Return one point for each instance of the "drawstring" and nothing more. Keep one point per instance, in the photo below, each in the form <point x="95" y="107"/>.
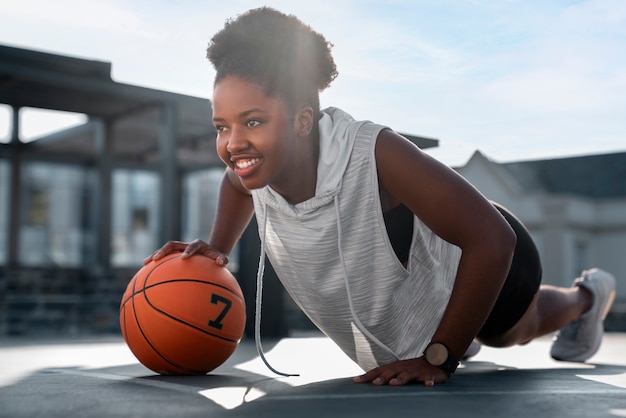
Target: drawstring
<point x="357" y="322"/>
<point x="259" y="300"/>
<point x="259" y="295"/>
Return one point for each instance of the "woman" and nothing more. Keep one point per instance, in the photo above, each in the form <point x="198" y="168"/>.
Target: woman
<point x="390" y="253"/>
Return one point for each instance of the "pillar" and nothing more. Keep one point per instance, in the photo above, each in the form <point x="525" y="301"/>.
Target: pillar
<point x="15" y="191"/>
<point x="170" y="213"/>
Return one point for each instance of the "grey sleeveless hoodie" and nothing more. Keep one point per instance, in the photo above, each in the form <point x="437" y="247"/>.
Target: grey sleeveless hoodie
<point x="334" y="257"/>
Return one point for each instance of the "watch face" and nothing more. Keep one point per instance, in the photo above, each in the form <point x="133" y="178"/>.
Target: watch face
<point x="437" y="354"/>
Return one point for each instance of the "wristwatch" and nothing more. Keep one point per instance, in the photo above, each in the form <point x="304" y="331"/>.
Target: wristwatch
<point x="438" y="355"/>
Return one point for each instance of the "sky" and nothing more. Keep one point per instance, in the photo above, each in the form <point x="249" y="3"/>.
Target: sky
<point x="515" y="79"/>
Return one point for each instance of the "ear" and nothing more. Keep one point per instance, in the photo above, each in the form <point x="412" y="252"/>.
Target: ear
<point x="304" y="121"/>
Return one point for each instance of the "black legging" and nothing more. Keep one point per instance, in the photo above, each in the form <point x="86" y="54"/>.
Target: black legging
<point x="521" y="283"/>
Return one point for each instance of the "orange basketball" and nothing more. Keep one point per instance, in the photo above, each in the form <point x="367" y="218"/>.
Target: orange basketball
<point x="182" y="316"/>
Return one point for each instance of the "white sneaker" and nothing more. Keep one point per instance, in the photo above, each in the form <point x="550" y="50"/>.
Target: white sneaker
<point x="581" y="339"/>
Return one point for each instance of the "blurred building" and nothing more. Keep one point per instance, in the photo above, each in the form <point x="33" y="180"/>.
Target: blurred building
<point x="575" y="209"/>
<point x="81" y="207"/>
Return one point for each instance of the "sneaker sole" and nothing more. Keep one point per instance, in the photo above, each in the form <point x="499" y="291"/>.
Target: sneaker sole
<point x="609" y="303"/>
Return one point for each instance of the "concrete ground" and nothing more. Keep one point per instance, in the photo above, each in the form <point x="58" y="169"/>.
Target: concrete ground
<point x="99" y="377"/>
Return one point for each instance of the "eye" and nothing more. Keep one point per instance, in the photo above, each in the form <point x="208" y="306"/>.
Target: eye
<point x="220" y="128"/>
<point x="252" y="123"/>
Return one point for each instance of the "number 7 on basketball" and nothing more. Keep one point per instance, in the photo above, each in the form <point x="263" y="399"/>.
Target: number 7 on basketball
<point x="215" y="300"/>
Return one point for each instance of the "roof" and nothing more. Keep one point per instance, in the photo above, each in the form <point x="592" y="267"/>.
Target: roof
<point x="595" y="176"/>
<point x="134" y="114"/>
<point x="48" y="81"/>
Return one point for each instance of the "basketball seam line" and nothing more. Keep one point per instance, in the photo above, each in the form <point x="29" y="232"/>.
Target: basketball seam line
<point x="136" y="292"/>
<point x="187" y="323"/>
<point x="145" y="337"/>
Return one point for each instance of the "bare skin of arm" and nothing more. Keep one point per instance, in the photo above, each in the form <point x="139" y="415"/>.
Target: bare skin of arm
<point x="458" y="213"/>
<point x="234" y="212"/>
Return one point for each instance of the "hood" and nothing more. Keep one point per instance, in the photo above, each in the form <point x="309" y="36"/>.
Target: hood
<point x="337" y="133"/>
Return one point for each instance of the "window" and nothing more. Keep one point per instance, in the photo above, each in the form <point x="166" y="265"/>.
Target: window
<point x="4" y="209"/>
<point x="53" y="227"/>
<point x="580" y="257"/>
<point x="135" y="216"/>
<point x="200" y="192"/>
<point x="5" y="123"/>
<point x="37" y="204"/>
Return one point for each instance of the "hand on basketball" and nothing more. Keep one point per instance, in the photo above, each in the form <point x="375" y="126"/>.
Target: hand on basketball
<point x="402" y="372"/>
<point x="188" y="249"/>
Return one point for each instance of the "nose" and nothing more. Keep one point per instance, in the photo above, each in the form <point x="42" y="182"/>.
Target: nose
<point x="236" y="141"/>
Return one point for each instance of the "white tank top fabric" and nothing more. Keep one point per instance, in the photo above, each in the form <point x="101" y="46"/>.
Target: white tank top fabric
<point x="333" y="255"/>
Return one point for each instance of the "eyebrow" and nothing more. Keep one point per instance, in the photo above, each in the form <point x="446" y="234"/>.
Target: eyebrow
<point x="245" y="113"/>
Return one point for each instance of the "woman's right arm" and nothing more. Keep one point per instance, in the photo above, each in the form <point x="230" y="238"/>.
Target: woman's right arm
<point x="233" y="214"/>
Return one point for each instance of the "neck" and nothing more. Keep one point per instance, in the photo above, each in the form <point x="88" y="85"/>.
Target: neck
<point x="301" y="187"/>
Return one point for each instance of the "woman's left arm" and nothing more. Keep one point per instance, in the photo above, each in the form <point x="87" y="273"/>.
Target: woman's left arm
<point x="461" y="215"/>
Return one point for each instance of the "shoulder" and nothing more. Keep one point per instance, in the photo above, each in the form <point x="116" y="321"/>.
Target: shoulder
<point x="396" y="155"/>
<point x="397" y="159"/>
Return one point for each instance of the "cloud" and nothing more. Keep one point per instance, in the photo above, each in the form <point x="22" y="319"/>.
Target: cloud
<point x="73" y="14"/>
<point x="572" y="64"/>
<point x="500" y="76"/>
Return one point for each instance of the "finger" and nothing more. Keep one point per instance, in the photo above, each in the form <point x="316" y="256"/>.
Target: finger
<point x="194" y="247"/>
<point x="200" y="247"/>
<point x="361" y="379"/>
<point x="161" y="252"/>
<point x="379" y="381"/>
<point x="433" y="379"/>
<point x="401" y="379"/>
<point x="221" y="260"/>
<point x="376" y="377"/>
<point x="367" y="377"/>
<point x="168" y="248"/>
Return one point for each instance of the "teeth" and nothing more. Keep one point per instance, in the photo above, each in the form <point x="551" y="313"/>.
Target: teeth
<point x="246" y="163"/>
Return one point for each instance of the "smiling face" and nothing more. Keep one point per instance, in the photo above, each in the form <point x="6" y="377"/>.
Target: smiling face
<point x="257" y="137"/>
